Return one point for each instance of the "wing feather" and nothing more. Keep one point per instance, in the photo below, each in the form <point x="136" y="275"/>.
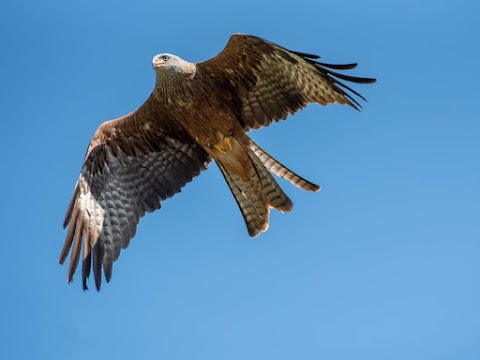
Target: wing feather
<point x="132" y="164"/>
<point x="273" y="82"/>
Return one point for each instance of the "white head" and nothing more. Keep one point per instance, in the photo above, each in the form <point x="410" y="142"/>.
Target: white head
<point x="165" y="64"/>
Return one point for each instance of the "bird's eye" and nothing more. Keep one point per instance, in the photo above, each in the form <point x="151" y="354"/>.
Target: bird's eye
<point x="164" y="57"/>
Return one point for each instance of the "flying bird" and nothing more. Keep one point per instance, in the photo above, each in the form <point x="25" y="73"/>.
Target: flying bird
<point x="197" y="112"/>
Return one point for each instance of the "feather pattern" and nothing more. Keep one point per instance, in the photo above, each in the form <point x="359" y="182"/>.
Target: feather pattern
<point x="197" y="112"/>
<point x="281" y="170"/>
<point x="123" y="177"/>
<point x="273" y="82"/>
<point x="256" y="194"/>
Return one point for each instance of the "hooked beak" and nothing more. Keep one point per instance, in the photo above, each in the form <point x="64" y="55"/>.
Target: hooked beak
<point x="156" y="63"/>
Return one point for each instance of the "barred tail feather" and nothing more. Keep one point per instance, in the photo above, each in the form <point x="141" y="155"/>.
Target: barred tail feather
<point x="253" y="208"/>
<point x="256" y="194"/>
<point x="280" y="170"/>
<point x="272" y="193"/>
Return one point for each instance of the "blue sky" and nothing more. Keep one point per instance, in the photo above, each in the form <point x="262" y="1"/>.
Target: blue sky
<point x="383" y="263"/>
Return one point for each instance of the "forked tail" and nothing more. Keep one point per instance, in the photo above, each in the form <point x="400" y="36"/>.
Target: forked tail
<point x="258" y="192"/>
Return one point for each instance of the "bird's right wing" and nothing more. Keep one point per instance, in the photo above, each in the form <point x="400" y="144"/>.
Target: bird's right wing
<point x="131" y="165"/>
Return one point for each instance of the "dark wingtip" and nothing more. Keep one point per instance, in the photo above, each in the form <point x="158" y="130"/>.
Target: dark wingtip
<point x="98" y="282"/>
<point x="306" y="55"/>
<point x="84" y="284"/>
<point x="338" y="66"/>
<point x="354" y="79"/>
<point x="71" y="207"/>
<point x="333" y="76"/>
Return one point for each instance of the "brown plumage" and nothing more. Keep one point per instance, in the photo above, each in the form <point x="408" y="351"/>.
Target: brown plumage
<point x="197" y="112"/>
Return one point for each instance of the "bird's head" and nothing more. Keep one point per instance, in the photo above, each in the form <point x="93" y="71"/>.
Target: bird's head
<point x="165" y="64"/>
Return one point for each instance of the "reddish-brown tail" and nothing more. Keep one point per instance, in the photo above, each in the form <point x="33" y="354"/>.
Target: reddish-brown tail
<point x="259" y="192"/>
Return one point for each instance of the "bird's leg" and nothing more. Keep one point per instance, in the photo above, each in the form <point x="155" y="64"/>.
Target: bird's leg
<point x="228" y="139"/>
<point x="226" y="143"/>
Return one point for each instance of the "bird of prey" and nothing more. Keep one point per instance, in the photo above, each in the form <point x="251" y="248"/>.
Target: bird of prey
<point x="197" y="112"/>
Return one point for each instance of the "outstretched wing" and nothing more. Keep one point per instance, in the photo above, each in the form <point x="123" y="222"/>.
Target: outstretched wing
<point x="265" y="82"/>
<point x="131" y="165"/>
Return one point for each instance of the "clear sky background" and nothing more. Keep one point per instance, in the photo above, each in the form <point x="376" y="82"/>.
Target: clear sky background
<point x="383" y="263"/>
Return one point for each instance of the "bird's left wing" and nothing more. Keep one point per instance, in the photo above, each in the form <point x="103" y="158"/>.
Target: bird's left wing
<point x="265" y="82"/>
<point x="131" y="165"/>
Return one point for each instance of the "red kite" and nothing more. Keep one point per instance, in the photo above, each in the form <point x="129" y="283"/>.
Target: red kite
<point x="197" y="112"/>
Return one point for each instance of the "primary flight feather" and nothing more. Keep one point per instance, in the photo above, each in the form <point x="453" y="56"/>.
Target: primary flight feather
<point x="196" y="113"/>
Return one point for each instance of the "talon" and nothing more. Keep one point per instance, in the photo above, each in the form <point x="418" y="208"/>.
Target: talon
<point x="228" y="141"/>
<point x="221" y="149"/>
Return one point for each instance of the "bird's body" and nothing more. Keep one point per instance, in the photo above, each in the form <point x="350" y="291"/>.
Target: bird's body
<point x="196" y="112"/>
